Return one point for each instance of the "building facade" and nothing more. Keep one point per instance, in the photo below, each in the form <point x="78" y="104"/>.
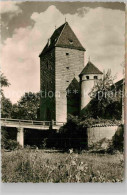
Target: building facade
<point x="64" y="81"/>
<point x="61" y="60"/>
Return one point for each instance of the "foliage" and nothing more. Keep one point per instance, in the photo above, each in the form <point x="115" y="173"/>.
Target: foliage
<point x="27" y="107"/>
<point x="4" y="137"/>
<point x="72" y="135"/>
<point x="88" y="122"/>
<point x="105" y="103"/>
<point x="103" y="86"/>
<point x="6" y="143"/>
<point x="6" y="104"/>
<point x="6" y="107"/>
<point x="118" y="138"/>
<point x="12" y="145"/>
<point x="3" y="82"/>
<point x="29" y="165"/>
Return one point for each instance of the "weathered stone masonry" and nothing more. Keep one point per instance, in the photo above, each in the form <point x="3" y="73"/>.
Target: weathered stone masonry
<point x="47" y="78"/>
<point x="69" y="63"/>
<point x="61" y="60"/>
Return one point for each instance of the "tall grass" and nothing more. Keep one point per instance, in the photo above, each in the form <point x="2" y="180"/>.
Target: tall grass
<point x="38" y="166"/>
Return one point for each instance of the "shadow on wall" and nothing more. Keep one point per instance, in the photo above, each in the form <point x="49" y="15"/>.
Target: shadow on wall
<point x="73" y="98"/>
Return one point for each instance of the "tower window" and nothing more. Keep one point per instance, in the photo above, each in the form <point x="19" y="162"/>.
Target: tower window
<point x="87" y="77"/>
<point x="70" y="41"/>
<point x="67" y="54"/>
<point x="95" y="77"/>
<point x="67" y="67"/>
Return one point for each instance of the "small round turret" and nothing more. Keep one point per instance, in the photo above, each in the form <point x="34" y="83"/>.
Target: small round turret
<point x="88" y="77"/>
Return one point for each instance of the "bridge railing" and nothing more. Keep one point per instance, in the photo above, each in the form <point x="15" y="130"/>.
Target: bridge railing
<point x="31" y="122"/>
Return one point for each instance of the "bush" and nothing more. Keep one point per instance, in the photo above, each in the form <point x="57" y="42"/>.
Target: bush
<point x="118" y="138"/>
<point x="4" y="136"/>
<point x="12" y="145"/>
<point x="73" y="135"/>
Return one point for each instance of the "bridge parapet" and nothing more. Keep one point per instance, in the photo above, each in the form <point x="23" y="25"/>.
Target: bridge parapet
<point x="30" y="123"/>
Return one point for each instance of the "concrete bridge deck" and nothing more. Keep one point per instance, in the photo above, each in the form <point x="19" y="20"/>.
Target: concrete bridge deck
<point x="29" y="124"/>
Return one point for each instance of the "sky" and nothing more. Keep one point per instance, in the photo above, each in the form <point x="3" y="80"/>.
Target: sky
<point x="26" y="27"/>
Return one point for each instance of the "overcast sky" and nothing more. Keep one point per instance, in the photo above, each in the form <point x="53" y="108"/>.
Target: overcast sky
<point x="26" y="27"/>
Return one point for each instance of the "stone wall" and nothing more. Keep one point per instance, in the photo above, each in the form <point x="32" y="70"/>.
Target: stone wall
<point x="47" y="85"/>
<point x="58" y="67"/>
<point x="69" y="64"/>
<point x="96" y="134"/>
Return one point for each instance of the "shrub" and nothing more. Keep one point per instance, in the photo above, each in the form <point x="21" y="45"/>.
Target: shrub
<point x="4" y="136"/>
<point x="118" y="138"/>
<point x="12" y="145"/>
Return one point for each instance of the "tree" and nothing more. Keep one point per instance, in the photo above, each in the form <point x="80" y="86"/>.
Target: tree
<point x="6" y="107"/>
<point x="105" y="103"/>
<point x="6" y="104"/>
<point x="27" y="107"/>
<point x="3" y="82"/>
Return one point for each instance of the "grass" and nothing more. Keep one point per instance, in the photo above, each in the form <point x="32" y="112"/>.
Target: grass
<point x="38" y="166"/>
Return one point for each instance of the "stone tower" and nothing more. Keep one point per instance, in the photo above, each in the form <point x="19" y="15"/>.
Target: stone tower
<point x="61" y="60"/>
<point x="88" y="77"/>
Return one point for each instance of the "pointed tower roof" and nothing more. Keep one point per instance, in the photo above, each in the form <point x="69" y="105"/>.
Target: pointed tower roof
<point x="63" y="37"/>
<point x="74" y="85"/>
<point x="90" y="69"/>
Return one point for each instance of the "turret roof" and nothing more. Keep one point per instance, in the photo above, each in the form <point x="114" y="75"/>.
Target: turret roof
<point x="90" y="69"/>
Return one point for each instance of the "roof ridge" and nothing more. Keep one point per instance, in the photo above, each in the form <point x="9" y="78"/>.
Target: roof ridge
<point x="61" y="32"/>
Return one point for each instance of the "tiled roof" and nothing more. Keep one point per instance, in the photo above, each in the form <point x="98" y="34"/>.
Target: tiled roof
<point x="105" y="125"/>
<point x="90" y="69"/>
<point x="63" y="37"/>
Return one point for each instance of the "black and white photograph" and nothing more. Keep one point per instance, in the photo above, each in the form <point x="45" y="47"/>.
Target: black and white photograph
<point x="62" y="92"/>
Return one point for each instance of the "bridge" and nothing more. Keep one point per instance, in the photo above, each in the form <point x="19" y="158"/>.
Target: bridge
<point x="29" y="124"/>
